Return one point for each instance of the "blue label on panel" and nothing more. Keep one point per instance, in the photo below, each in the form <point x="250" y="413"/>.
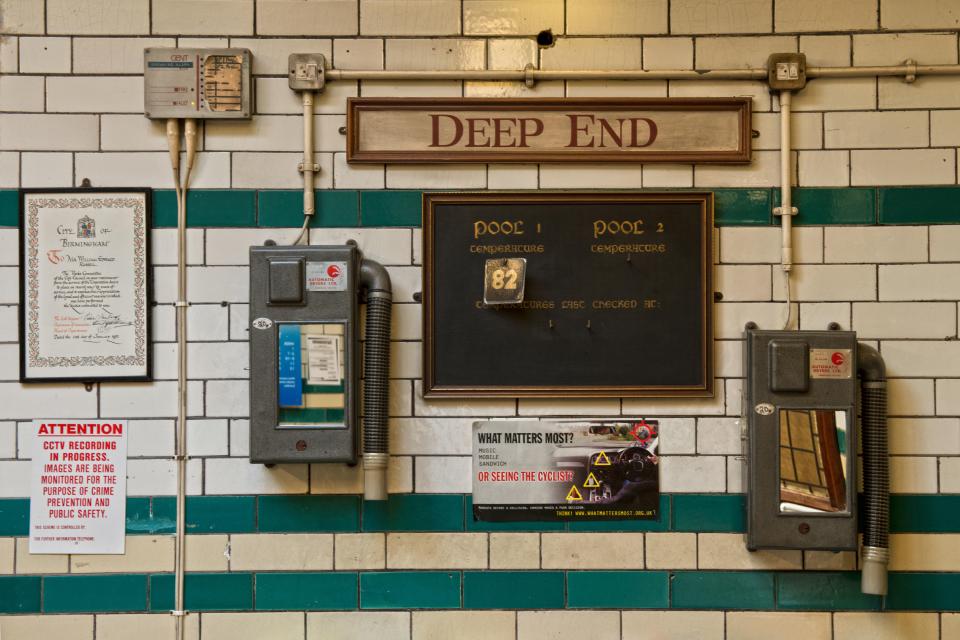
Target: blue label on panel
<point x="290" y="376"/>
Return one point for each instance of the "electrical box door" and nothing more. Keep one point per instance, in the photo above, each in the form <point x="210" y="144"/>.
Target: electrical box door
<point x="799" y="406"/>
<point x="303" y="354"/>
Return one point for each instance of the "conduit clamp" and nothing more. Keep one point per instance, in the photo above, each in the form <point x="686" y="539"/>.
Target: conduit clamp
<point x="911" y="75"/>
<point x="528" y="78"/>
<point x="778" y="211"/>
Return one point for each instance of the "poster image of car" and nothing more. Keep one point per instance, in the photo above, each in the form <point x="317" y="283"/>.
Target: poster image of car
<point x="566" y="470"/>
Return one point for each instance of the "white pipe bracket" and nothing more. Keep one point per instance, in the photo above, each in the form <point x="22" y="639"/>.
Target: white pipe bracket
<point x="315" y="169"/>
<point x="180" y="613"/>
<point x="528" y="78"/>
<point x="778" y="211"/>
<point x="911" y="75"/>
<point x="181" y="303"/>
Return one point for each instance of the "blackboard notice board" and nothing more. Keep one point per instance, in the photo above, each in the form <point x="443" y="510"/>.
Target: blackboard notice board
<point x="617" y="299"/>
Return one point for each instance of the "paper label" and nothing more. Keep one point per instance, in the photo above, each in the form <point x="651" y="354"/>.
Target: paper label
<point x="323" y="359"/>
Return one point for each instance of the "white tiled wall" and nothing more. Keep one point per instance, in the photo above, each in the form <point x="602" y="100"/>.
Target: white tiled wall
<point x="70" y="103"/>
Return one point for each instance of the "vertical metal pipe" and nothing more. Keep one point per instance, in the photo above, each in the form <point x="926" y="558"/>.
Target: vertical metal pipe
<point x="308" y="162"/>
<point x="786" y="199"/>
<point x="190" y="135"/>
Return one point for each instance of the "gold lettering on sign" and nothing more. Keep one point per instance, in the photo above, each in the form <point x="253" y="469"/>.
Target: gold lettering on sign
<point x="497" y="227"/>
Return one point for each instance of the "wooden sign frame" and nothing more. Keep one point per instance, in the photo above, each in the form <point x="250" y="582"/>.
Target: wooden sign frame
<point x="689" y="117"/>
<point x="434" y="386"/>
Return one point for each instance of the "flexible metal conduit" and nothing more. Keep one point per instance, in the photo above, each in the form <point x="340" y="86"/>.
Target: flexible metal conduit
<point x="908" y="71"/>
<point x="376" y="371"/>
<point x="876" y="479"/>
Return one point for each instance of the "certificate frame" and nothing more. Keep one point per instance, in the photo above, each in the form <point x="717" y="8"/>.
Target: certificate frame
<point x="130" y="281"/>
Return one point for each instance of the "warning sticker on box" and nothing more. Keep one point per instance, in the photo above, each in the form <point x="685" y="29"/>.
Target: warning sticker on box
<point x="326" y="276"/>
<point x="831" y="363"/>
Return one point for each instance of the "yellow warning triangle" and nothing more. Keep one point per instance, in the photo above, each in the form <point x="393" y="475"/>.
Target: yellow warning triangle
<point x="602" y="460"/>
<point x="591" y="482"/>
<point x="574" y="494"/>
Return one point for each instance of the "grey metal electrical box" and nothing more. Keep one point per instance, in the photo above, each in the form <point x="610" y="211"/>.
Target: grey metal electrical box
<point x="800" y="439"/>
<point x="303" y="356"/>
<point x="197" y="83"/>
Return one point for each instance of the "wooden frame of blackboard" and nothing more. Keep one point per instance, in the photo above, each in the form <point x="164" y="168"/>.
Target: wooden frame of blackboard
<point x="435" y="388"/>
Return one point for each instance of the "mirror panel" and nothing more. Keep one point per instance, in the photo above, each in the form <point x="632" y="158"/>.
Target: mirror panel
<point x="813" y="461"/>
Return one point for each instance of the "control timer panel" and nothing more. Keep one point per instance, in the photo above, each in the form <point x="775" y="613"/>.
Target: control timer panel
<point x="196" y="83"/>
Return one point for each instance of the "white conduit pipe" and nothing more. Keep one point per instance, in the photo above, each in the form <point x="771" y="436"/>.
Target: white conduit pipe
<point x="786" y="199"/>
<point x="906" y="70"/>
<point x="308" y="168"/>
<point x="173" y="138"/>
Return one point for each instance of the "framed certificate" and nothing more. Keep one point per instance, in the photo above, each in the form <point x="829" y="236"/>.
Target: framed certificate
<point x="85" y="285"/>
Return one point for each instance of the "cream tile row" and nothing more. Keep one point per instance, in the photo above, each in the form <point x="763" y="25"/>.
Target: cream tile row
<point x="265" y="157"/>
<point x="449" y="551"/>
<point x="495" y="625"/>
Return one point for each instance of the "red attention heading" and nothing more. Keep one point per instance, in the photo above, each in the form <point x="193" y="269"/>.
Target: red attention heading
<point x="80" y="429"/>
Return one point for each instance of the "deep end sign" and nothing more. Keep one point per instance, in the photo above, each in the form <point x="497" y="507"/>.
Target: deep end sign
<point x="715" y="130"/>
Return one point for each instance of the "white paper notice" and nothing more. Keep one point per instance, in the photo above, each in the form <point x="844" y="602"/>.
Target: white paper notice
<point x="323" y="359"/>
<point x="78" y="487"/>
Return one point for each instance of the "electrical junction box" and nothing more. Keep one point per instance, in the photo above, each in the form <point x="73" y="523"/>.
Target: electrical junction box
<point x="197" y="83"/>
<point x="303" y="356"/>
<point x="800" y="439"/>
<point x="787" y="71"/>
<point x="306" y="71"/>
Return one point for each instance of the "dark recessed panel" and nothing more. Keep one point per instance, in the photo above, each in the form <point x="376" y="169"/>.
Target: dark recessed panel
<point x="617" y="298"/>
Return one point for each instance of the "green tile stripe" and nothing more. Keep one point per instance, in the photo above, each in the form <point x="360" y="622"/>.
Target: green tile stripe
<point x="839" y="591"/>
<point x="513" y="590"/>
<point x="692" y="512"/>
<point x="308" y="513"/>
<point x="348" y="590"/>
<point x="20" y="594"/>
<point x="329" y="591"/>
<point x="397" y="208"/>
<point x="699" y="512"/>
<point x="410" y="590"/>
<point x="81" y="593"/>
<point x="722" y="590"/>
<point x="204" y="592"/>
<point x="207" y="208"/>
<point x="919" y="205"/>
<point x="618" y="589"/>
